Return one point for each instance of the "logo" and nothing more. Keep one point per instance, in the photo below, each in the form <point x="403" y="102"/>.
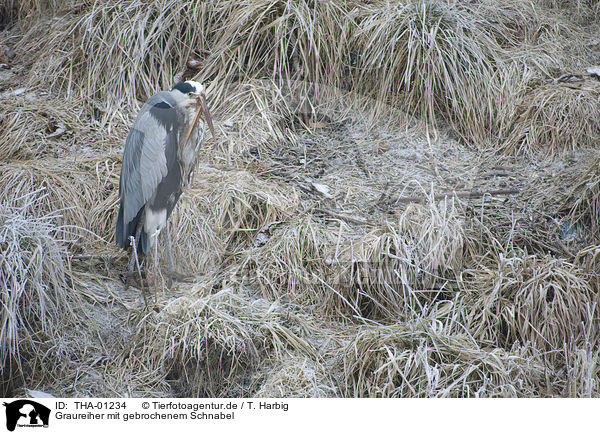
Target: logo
<point x="26" y="413"/>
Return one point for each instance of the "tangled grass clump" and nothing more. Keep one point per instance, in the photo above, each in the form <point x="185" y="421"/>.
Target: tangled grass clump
<point x="556" y="117"/>
<point x="83" y="195"/>
<point x="528" y="299"/>
<point x="241" y="204"/>
<point x="407" y="263"/>
<point x="35" y="292"/>
<point x="291" y="262"/>
<point x="403" y="361"/>
<point x="583" y="201"/>
<point x="211" y="341"/>
<point x="24" y="11"/>
<point x="441" y="59"/>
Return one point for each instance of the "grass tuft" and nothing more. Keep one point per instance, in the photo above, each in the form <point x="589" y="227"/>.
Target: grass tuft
<point x="583" y="200"/>
<point x="407" y="263"/>
<point x="441" y="59"/>
<point x="556" y="117"/>
<point x="529" y="299"/>
<point x="404" y="361"/>
<point x="212" y="341"/>
<point x="34" y="285"/>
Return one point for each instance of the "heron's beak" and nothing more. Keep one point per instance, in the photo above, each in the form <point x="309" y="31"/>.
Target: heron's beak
<point x="206" y="112"/>
<point x="201" y="108"/>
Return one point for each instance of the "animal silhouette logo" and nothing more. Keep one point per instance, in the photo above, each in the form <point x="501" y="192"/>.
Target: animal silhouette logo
<point x="24" y="412"/>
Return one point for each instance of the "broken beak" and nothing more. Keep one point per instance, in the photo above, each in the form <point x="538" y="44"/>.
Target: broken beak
<point x="203" y="106"/>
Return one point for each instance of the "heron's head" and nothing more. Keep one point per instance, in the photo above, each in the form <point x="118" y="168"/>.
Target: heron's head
<point x="197" y="94"/>
<point x="190" y="88"/>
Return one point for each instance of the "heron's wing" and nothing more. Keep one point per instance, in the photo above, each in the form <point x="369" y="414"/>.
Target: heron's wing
<point x="151" y="142"/>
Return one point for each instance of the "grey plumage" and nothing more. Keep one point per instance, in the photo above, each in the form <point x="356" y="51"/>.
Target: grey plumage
<point x="157" y="163"/>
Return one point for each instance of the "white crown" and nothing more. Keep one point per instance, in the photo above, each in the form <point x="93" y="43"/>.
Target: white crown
<point x="198" y="86"/>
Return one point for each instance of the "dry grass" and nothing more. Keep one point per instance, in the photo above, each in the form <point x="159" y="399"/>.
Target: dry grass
<point x="242" y="204"/>
<point x="446" y="62"/>
<point x="581" y="11"/>
<point x="34" y="285"/>
<point x="250" y="114"/>
<point x="531" y="221"/>
<point x="140" y="60"/>
<point x="582" y="374"/>
<point x="442" y="59"/>
<point x="583" y="201"/>
<point x="404" y="361"/>
<point x="53" y="145"/>
<point x="197" y="247"/>
<point x="26" y="127"/>
<point x="513" y="22"/>
<point x="526" y="299"/>
<point x="589" y="260"/>
<point x="297" y="377"/>
<point x="291" y="261"/>
<point x="35" y="126"/>
<point x="556" y="117"/>
<point x="257" y="39"/>
<point x="407" y="263"/>
<point x="260" y="115"/>
<point x="281" y="40"/>
<point x="211" y="342"/>
<point x="40" y="125"/>
<point x="82" y="193"/>
<point x="391" y="270"/>
<point x="25" y="10"/>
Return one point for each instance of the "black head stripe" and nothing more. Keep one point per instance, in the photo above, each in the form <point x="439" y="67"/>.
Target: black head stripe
<point x="162" y="105"/>
<point x="184" y="87"/>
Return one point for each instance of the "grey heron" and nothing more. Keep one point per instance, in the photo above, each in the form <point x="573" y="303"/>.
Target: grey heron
<point x="159" y="157"/>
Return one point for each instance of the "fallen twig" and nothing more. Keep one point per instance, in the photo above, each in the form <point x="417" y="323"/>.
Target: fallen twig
<point x="343" y="216"/>
<point x="473" y="194"/>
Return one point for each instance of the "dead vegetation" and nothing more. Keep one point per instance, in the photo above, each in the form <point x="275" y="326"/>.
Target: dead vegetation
<point x="35" y="287"/>
<point x="212" y="343"/>
<point x="527" y="299"/>
<point x="25" y="10"/>
<point x="406" y="265"/>
<point x="438" y="58"/>
<point x="411" y="360"/>
<point x="400" y="201"/>
<point x="583" y="202"/>
<point x="557" y="116"/>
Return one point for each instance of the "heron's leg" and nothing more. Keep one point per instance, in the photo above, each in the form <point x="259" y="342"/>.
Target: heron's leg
<point x="135" y="261"/>
<point x="132" y="261"/>
<point x="134" y="256"/>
